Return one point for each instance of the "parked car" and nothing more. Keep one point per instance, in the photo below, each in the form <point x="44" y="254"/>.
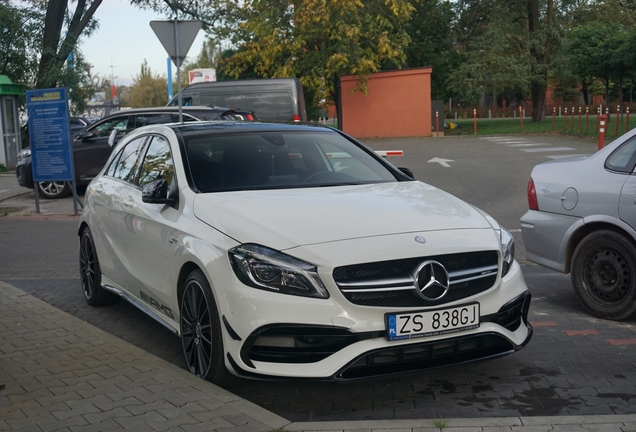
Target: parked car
<point x="582" y="221"/>
<point x="273" y="99"/>
<point x="294" y="251"/>
<point x="91" y="148"/>
<point x="79" y="123"/>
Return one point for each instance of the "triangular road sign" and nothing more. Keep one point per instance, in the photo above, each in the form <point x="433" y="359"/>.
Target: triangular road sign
<point x="186" y="32"/>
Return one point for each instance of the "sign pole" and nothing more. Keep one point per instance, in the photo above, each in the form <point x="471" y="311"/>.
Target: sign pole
<point x="178" y="62"/>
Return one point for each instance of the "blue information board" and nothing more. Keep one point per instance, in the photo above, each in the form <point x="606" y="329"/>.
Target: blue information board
<point x="49" y="134"/>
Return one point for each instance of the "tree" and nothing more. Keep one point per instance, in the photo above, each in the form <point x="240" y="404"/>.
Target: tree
<point x="496" y="61"/>
<point x="541" y="39"/>
<point x="430" y="32"/>
<point x="55" y="50"/>
<point x="20" y="31"/>
<point x="594" y="51"/>
<point x="318" y="41"/>
<point x="148" y="90"/>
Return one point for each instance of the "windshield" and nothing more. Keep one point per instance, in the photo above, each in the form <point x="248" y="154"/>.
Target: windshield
<point x="275" y="160"/>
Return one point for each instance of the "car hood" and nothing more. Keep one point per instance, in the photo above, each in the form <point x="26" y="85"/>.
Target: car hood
<point x="288" y="218"/>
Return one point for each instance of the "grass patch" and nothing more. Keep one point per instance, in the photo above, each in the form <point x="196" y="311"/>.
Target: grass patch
<point x="441" y="424"/>
<point x="558" y="125"/>
<point x="3" y="169"/>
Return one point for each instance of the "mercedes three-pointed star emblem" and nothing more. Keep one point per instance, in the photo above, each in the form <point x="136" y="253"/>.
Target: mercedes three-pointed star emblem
<point x="431" y="281"/>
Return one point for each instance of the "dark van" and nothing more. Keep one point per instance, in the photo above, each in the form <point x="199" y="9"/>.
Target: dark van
<point x="275" y="99"/>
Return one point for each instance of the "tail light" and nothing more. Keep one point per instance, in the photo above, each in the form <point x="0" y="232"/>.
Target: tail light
<point x="250" y="117"/>
<point x="296" y="117"/>
<point x="533" y="204"/>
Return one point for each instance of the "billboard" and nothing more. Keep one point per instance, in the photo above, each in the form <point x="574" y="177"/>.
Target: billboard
<point x="201" y="75"/>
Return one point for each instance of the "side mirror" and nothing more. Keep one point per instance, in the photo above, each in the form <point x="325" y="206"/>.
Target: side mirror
<point x="156" y="192"/>
<point x="112" y="137"/>
<point x="407" y="172"/>
<point x="85" y="135"/>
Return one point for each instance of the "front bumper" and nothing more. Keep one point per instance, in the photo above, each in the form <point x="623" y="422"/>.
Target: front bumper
<point x="350" y="342"/>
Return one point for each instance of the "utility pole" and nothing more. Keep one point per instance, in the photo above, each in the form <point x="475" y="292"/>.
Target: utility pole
<point x="113" y="89"/>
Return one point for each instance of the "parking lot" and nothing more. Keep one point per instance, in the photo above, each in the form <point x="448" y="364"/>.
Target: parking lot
<point x="574" y="365"/>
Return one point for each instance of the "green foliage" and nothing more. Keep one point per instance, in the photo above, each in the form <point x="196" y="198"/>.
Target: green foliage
<point x="3" y="169"/>
<point x="148" y="90"/>
<point x="430" y="30"/>
<point x="496" y="59"/>
<point x="441" y="424"/>
<point x="319" y="40"/>
<point x="20" y="32"/>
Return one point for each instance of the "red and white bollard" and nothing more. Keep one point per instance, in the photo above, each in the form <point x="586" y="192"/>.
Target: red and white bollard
<point x="618" y="112"/>
<point x="601" y="130"/>
<point x="437" y="122"/>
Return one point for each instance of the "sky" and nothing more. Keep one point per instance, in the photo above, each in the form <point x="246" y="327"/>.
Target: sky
<point x="124" y="39"/>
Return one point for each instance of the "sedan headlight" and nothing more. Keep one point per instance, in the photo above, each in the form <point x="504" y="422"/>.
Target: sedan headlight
<point x="267" y="269"/>
<point x="506" y="242"/>
<point x="24" y="153"/>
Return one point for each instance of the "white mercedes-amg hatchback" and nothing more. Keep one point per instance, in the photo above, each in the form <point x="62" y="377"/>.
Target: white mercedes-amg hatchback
<point x="294" y="251"/>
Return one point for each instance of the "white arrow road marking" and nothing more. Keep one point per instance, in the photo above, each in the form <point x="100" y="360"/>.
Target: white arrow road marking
<point x="442" y="162"/>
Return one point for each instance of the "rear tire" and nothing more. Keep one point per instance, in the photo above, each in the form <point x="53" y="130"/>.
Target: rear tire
<point x="54" y="190"/>
<point x="604" y="275"/>
<point x="201" y="332"/>
<point x="90" y="273"/>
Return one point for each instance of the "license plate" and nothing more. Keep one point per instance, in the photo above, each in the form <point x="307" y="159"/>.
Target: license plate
<point x="432" y="323"/>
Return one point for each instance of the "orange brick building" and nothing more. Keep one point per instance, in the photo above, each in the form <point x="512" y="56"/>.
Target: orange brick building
<point x="397" y="104"/>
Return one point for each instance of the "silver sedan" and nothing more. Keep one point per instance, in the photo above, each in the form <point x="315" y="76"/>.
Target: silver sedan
<point x="582" y="221"/>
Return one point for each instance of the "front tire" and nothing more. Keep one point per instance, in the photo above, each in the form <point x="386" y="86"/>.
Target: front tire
<point x="201" y="332"/>
<point x="604" y="275"/>
<point x="90" y="273"/>
<point x="54" y="190"/>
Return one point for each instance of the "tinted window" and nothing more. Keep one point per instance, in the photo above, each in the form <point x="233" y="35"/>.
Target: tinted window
<point x="126" y="168"/>
<point x="150" y="119"/>
<point x="273" y="160"/>
<point x="104" y="128"/>
<point x="266" y="105"/>
<point x="157" y="164"/>
<point x="624" y="158"/>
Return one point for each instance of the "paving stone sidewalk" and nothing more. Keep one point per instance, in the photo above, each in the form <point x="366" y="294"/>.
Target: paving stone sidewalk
<point x="59" y="373"/>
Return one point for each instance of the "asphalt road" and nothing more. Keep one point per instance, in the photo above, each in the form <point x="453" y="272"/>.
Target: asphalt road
<point x="574" y="365"/>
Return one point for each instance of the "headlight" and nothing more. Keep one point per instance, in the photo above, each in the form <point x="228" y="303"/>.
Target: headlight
<point x="267" y="269"/>
<point x="506" y="242"/>
<point x="24" y="153"/>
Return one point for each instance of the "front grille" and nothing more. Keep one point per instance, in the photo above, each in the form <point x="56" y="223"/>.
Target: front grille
<point x="392" y="283"/>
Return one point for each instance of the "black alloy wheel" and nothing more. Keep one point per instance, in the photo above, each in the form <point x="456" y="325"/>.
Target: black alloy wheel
<point x="90" y="273"/>
<point x="201" y="332"/>
<point x="604" y="275"/>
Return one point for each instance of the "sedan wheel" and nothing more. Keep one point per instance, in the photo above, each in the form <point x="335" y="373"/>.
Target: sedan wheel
<point x="54" y="190"/>
<point x="201" y="332"/>
<point x="604" y="275"/>
<point x="90" y="273"/>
